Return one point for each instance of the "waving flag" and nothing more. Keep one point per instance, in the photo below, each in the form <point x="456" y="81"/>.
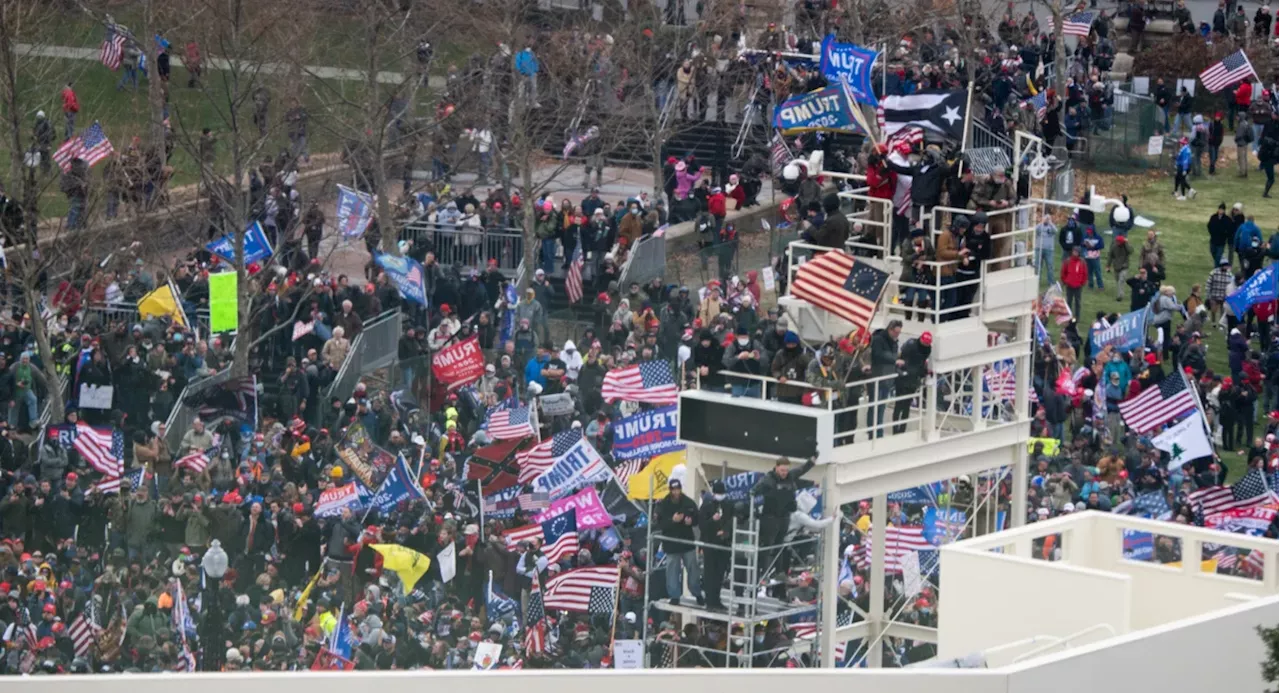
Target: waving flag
<point x="1040" y="102"/>
<point x="112" y="52"/>
<point x="942" y="112"/>
<point x="1228" y="71"/>
<point x="1157" y="405"/>
<point x="91" y="145"/>
<point x="510" y="424"/>
<point x="197" y="461"/>
<point x="650" y="381"/>
<point x="355" y="211"/>
<point x="558" y="534"/>
<point x="257" y="247"/>
<point x="543" y="456"/>
<point x="1250" y="491"/>
<point x="573" y="279"/>
<point x="498" y="604"/>
<point x="334" y="500"/>
<point x="1079" y="24"/>
<point x="588" y="590"/>
<point x="102" y="449"/>
<point x="842" y="284"/>
<point x="111" y="484"/>
<point x="83" y="631"/>
<point x="898" y="543"/>
<point x="399" y="485"/>
<point x="342" y="643"/>
<point x="850" y="63"/>
<point x="1262" y="287"/>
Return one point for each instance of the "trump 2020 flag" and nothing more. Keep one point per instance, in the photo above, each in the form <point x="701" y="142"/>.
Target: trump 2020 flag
<point x="256" y="245"/>
<point x="1184" y="441"/>
<point x="400" y="485"/>
<point x="355" y="209"/>
<point x="829" y="109"/>
<point x="1259" y="288"/>
<point x="849" y="63"/>
<point x="406" y="274"/>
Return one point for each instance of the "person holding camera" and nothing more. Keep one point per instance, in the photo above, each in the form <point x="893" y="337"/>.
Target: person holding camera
<point x="531" y="566"/>
<point x="676" y="515"/>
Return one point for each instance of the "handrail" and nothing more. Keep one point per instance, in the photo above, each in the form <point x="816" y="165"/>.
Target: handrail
<point x="356" y="351"/>
<point x="668" y="106"/>
<point x="744" y="130"/>
<point x="1065" y="640"/>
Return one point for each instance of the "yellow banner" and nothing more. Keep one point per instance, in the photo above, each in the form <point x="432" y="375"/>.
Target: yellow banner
<point x="161" y="302"/>
<point x="405" y="562"/>
<point x="656" y="475"/>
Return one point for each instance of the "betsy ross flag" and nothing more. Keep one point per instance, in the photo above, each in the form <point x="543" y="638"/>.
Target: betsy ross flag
<point x="101" y="448"/>
<point x="1228" y="71"/>
<point x="1156" y="406"/>
<point x="1079" y="24"/>
<point x="573" y="278"/>
<point x="91" y="145"/>
<point x="112" y="52"/>
<point x="846" y="286"/>
<point x="538" y="459"/>
<point x="1250" y="491"/>
<point x="559" y="536"/>
<point x="650" y="381"/>
<point x="510" y="424"/>
<point x="588" y="590"/>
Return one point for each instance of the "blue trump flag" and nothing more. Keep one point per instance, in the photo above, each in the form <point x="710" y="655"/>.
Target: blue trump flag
<point x="256" y="245"/>
<point x="406" y="274"/>
<point x="343" y="640"/>
<point x="846" y="62"/>
<point x="1126" y="334"/>
<point x="647" y="434"/>
<point x="398" y="486"/>
<point x="1259" y="288"/>
<point x="355" y="210"/>
<point x="824" y="109"/>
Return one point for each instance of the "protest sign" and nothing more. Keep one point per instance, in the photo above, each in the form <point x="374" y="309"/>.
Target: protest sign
<point x="459" y="364"/>
<point x="586" y="503"/>
<point x="1125" y="335"/>
<point x="647" y="434"/>
<point x="224" y="305"/>
<point x="628" y="654"/>
<point x="581" y="464"/>
<point x="557" y="405"/>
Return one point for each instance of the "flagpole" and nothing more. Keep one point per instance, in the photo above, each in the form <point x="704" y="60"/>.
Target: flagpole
<point x="480" y="497"/>
<point x="1204" y="418"/>
<point x="613" y="624"/>
<point x="968" y="123"/>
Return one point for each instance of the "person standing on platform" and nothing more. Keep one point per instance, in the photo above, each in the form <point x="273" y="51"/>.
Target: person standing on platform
<point x="676" y="516"/>
<point x="777" y="490"/>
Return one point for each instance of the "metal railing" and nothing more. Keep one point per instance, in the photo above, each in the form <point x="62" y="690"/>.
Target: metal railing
<point x="183" y="415"/>
<point x="647" y="259"/>
<point x="467" y="247"/>
<point x="748" y="120"/>
<point x="668" y="107"/>
<point x="982" y="136"/>
<point x="375" y="347"/>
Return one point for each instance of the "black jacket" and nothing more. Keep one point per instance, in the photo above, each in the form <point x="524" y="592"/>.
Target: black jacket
<point x="1221" y="229"/>
<point x="779" y="494"/>
<point x="712" y="526"/>
<point x="926" y="181"/>
<point x="673" y="529"/>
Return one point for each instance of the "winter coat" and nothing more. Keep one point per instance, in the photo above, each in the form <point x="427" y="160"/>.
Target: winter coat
<point x="1074" y="273"/>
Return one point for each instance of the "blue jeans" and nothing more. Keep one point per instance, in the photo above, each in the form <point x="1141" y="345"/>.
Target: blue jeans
<point x="1094" y="266"/>
<point x="130" y="77"/>
<point x="740" y="390"/>
<point x="548" y="255"/>
<point x="1044" y="262"/>
<point x="1179" y="120"/>
<point x="27" y="399"/>
<point x="407" y="372"/>
<point x="690" y="561"/>
<point x="884" y="391"/>
<point x="948" y="298"/>
<point x="75" y="212"/>
<point x="1216" y="250"/>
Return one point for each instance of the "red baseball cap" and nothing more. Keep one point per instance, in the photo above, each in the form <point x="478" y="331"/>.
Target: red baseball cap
<point x="926" y="338"/>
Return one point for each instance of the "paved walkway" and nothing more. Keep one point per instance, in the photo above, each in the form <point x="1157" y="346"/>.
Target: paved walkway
<point x="323" y="72"/>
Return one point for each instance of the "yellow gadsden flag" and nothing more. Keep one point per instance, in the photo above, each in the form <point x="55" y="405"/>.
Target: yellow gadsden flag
<point x="405" y="562"/>
<point x="162" y="302"/>
<point x="301" y="608"/>
<point x="657" y="473"/>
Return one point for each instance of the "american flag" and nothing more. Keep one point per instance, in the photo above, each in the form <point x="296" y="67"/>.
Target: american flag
<point x="533" y="501"/>
<point x="1228" y="71"/>
<point x="1001" y="381"/>
<point x="779" y="153"/>
<point x="1226" y="558"/>
<point x="197" y="461"/>
<point x="1040" y="102"/>
<point x="83" y="632"/>
<point x="809" y="631"/>
<point x="650" y="381"/>
<point x="112" y="52"/>
<point x="111" y="484"/>
<point x="510" y="424"/>
<point x="1250" y="491"/>
<point x="1253" y="562"/>
<point x="910" y="136"/>
<point x="591" y="590"/>
<point x="837" y="282"/>
<point x="627" y="469"/>
<point x="535" y="639"/>
<point x="102" y="449"/>
<point x="558" y="534"/>
<point x="898" y="543"/>
<point x="1152" y="505"/>
<point x="22" y="632"/>
<point x="91" y="145"/>
<point x="1158" y="405"/>
<point x="541" y="457"/>
<point x="573" y="279"/>
<point x="1079" y="24"/>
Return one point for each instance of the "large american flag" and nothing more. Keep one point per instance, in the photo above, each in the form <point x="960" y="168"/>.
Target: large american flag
<point x="102" y="449"/>
<point x="535" y="639"/>
<point x="650" y="381"/>
<point x="843" y="285"/>
<point x="541" y="457"/>
<point x="559" y="535"/>
<point x="1250" y="491"/>
<point x="1001" y="381"/>
<point x="629" y="468"/>
<point x="1228" y="71"/>
<point x="899" y="541"/>
<point x="1157" y="405"/>
<point x="591" y="590"/>
<point x="510" y="424"/>
<point x="1079" y="24"/>
<point x="83" y="632"/>
<point x="197" y="461"/>
<point x="112" y="52"/>
<point x="91" y="145"/>
<point x="573" y="279"/>
<point x="909" y="136"/>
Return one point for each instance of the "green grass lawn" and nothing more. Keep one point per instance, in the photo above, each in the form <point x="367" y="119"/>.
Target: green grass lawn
<point x="1181" y="226"/>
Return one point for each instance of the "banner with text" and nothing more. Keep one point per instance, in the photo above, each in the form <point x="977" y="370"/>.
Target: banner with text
<point x="591" y="513"/>
<point x="1127" y="334"/>
<point x="459" y="364"/>
<point x="849" y="63"/>
<point x="647" y="434"/>
<point x="828" y="109"/>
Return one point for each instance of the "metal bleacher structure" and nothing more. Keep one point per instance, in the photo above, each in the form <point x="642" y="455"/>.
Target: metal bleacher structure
<point x="955" y="425"/>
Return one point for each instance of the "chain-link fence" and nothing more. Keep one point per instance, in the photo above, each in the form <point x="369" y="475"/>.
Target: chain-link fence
<point x="1122" y="141"/>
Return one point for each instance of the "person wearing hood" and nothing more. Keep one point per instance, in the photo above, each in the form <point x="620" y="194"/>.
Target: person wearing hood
<point x="1070" y="236"/>
<point x="712" y="305"/>
<point x="708" y="358"/>
<point x="790" y="364"/>
<point x="1162" y="309"/>
<point x="1046" y="236"/>
<point x="735" y="191"/>
<point x="572" y="360"/>
<point x="743" y="355"/>
<point x="1249" y="246"/>
<point x="630" y="227"/>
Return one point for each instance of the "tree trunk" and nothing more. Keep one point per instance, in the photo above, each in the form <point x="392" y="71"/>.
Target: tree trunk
<point x="10" y="87"/>
<point x="532" y="249"/>
<point x="1059" y="56"/>
<point x="57" y="408"/>
<point x="155" y="89"/>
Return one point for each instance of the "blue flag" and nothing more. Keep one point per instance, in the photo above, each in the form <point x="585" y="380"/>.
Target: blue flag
<point x="497" y="603"/>
<point x="398" y="486"/>
<point x="256" y="245"/>
<point x="1259" y="288"/>
<point x="343" y="640"/>
<point x="846" y="62"/>
<point x="647" y="434"/>
<point x="355" y="210"/>
<point x="824" y="109"/>
<point x="406" y="274"/>
<point x="1138" y="546"/>
<point x="1126" y="334"/>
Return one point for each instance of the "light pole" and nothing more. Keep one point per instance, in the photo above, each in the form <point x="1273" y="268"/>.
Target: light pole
<point x="214" y="564"/>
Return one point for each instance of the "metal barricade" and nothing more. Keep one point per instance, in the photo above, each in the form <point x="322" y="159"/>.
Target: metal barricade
<point x="183" y="415"/>
<point x="648" y="259"/>
<point x="876" y="216"/>
<point x="107" y="313"/>
<point x="375" y="347"/>
<point x="466" y="247"/>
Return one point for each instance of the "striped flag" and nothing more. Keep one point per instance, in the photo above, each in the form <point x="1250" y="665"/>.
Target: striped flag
<point x="102" y="449"/>
<point x="779" y="153"/>
<point x="1040" y="102"/>
<point x="809" y="631"/>
<point x="541" y="457"/>
<point x="91" y="145"/>
<point x="1156" y="406"/>
<point x="111" y="484"/>
<point x="559" y="536"/>
<point x="839" y="283"/>
<point x="112" y="52"/>
<point x="510" y="424"/>
<point x="83" y="632"/>
<point x="533" y="501"/>
<point x="573" y="279"/>
<point x="535" y="639"/>
<point x="626" y="470"/>
<point x="590" y="590"/>
<point x="908" y="137"/>
<point x="1250" y="491"/>
<point x="650" y="381"/>
<point x="899" y="541"/>
<point x="1231" y="69"/>
<point x="1079" y="24"/>
<point x="196" y="461"/>
<point x="1001" y="381"/>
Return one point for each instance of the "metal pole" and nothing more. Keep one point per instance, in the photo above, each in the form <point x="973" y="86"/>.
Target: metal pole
<point x="830" y="570"/>
<point x="875" y="612"/>
<point x="480" y="497"/>
<point x="968" y="123"/>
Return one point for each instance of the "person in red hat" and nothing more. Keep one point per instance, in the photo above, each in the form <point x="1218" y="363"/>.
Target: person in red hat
<point x="914" y="366"/>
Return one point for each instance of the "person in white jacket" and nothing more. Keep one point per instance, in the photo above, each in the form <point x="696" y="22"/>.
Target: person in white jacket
<point x="572" y="360"/>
